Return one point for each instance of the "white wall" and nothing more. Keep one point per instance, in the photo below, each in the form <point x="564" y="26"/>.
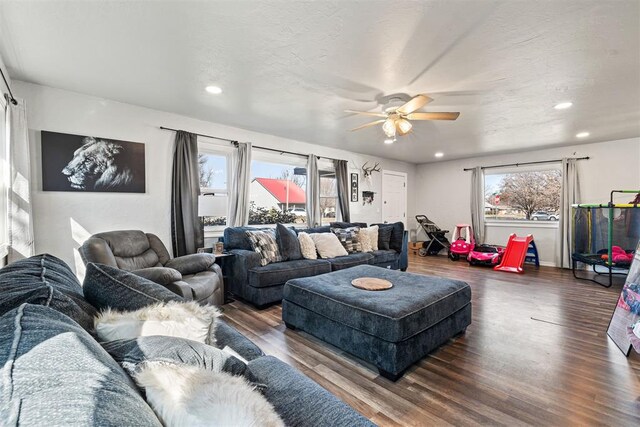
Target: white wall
<point x="62" y="221"/>
<point x="443" y="188"/>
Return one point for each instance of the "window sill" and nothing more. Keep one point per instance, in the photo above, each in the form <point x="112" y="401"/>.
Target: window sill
<point x="523" y="224"/>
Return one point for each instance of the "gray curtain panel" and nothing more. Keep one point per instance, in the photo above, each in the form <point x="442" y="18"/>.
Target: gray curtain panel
<point x="569" y="195"/>
<point x="187" y="234"/>
<point x="343" y="184"/>
<point x="314" y="216"/>
<point x="477" y="204"/>
<point x="239" y="190"/>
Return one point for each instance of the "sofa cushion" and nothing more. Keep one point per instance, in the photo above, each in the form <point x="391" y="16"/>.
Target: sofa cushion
<point x="328" y="245"/>
<point x="279" y="273"/>
<point x="396" y="237"/>
<point x="298" y="400"/>
<point x="226" y="336"/>
<point x="312" y="230"/>
<point x="381" y="256"/>
<point x="349" y="261"/>
<point x="45" y="280"/>
<point x="414" y="303"/>
<point x="338" y="224"/>
<point x="264" y="243"/>
<point x="236" y="237"/>
<point x="288" y="243"/>
<point x="384" y="236"/>
<point x="132" y="353"/>
<point x="55" y="374"/>
<point x="349" y="238"/>
<point x="110" y="287"/>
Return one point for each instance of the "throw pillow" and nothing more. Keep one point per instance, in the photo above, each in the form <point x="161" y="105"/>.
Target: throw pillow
<point x="110" y="287"/>
<point x="349" y="239"/>
<point x="264" y="243"/>
<point x="48" y="281"/>
<point x="384" y="236"/>
<point x="132" y="354"/>
<point x="187" y="396"/>
<point x="307" y="247"/>
<point x="373" y="236"/>
<point x="176" y="319"/>
<point x="288" y="243"/>
<point x="328" y="245"/>
<point x="365" y="240"/>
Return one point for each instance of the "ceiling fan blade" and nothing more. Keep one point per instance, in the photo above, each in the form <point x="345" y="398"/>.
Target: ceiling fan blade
<point x="414" y="104"/>
<point x="366" y="113"/>
<point x="369" y="124"/>
<point x="432" y="116"/>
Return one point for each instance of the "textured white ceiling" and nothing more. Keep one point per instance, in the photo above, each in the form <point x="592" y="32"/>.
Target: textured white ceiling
<point x="290" y="68"/>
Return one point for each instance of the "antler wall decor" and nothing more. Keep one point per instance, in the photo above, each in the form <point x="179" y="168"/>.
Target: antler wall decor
<point x="368" y="171"/>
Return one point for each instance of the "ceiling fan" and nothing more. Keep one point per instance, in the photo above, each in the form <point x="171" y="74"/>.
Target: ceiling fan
<point x="397" y="114"/>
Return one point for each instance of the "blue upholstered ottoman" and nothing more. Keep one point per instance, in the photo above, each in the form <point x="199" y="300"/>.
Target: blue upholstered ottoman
<point x="392" y="329"/>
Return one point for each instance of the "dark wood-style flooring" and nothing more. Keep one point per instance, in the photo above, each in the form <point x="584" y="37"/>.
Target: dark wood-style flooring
<point x="536" y="354"/>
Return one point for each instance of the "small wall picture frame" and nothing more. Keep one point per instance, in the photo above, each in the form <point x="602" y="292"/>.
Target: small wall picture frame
<point x="354" y="187"/>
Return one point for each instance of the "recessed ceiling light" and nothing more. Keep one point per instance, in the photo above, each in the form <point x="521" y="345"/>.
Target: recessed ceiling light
<point x="214" y="90"/>
<point x="389" y="140"/>
<point x="439" y="154"/>
<point x="582" y="134"/>
<point x="563" y="105"/>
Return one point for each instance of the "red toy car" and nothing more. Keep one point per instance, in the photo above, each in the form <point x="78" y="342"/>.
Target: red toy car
<point x="485" y="255"/>
<point x="462" y="242"/>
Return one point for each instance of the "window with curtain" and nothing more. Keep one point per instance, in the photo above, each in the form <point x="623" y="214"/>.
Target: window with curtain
<point x="213" y="163"/>
<point x="4" y="177"/>
<point x="523" y="194"/>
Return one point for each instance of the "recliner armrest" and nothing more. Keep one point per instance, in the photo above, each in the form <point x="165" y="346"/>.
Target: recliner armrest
<point x="162" y="275"/>
<point x="192" y="264"/>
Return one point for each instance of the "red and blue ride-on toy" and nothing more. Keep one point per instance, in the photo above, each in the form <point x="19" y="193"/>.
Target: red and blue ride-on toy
<point x="485" y="255"/>
<point x="462" y="242"/>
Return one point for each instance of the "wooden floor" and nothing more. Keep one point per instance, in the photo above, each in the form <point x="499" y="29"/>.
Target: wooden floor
<point x="536" y="353"/>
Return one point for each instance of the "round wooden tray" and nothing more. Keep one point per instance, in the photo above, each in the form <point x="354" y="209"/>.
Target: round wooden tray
<point x="371" y="284"/>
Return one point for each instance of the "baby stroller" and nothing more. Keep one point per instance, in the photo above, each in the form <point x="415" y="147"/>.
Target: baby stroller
<point x="437" y="239"/>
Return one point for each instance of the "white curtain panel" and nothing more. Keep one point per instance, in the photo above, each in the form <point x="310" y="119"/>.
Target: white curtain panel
<point x="314" y="217"/>
<point x="20" y="220"/>
<point x="477" y="203"/>
<point x="240" y="183"/>
<point x="570" y="194"/>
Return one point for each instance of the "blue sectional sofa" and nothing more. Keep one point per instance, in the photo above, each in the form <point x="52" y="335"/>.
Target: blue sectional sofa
<point x="56" y="373"/>
<point x="263" y="285"/>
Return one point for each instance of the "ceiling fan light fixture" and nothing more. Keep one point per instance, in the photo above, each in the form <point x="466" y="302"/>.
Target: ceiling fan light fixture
<point x="389" y="140"/>
<point x="389" y="128"/>
<point x="404" y="126"/>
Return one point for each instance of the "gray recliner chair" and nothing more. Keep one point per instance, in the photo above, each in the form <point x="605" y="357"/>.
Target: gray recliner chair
<point x="194" y="277"/>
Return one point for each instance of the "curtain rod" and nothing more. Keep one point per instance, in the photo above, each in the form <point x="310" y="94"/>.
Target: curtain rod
<point x="6" y="83"/>
<point x="525" y="163"/>
<point x="233" y="141"/>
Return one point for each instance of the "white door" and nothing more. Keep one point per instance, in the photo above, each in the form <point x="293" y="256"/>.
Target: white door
<point x="394" y="197"/>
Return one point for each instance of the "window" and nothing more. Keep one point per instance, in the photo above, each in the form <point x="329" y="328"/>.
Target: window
<point x="213" y="171"/>
<point x="532" y="194"/>
<point x="277" y="190"/>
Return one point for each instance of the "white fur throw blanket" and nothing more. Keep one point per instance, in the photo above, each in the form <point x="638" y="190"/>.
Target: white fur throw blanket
<point x="186" y="396"/>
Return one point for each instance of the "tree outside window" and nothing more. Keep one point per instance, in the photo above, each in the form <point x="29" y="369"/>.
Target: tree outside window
<point x="528" y="195"/>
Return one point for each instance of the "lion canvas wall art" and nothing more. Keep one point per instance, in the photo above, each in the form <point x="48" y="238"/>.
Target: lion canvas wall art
<point x="91" y="163"/>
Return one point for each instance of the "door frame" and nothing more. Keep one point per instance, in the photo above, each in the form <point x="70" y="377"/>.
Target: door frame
<point x="406" y="200"/>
